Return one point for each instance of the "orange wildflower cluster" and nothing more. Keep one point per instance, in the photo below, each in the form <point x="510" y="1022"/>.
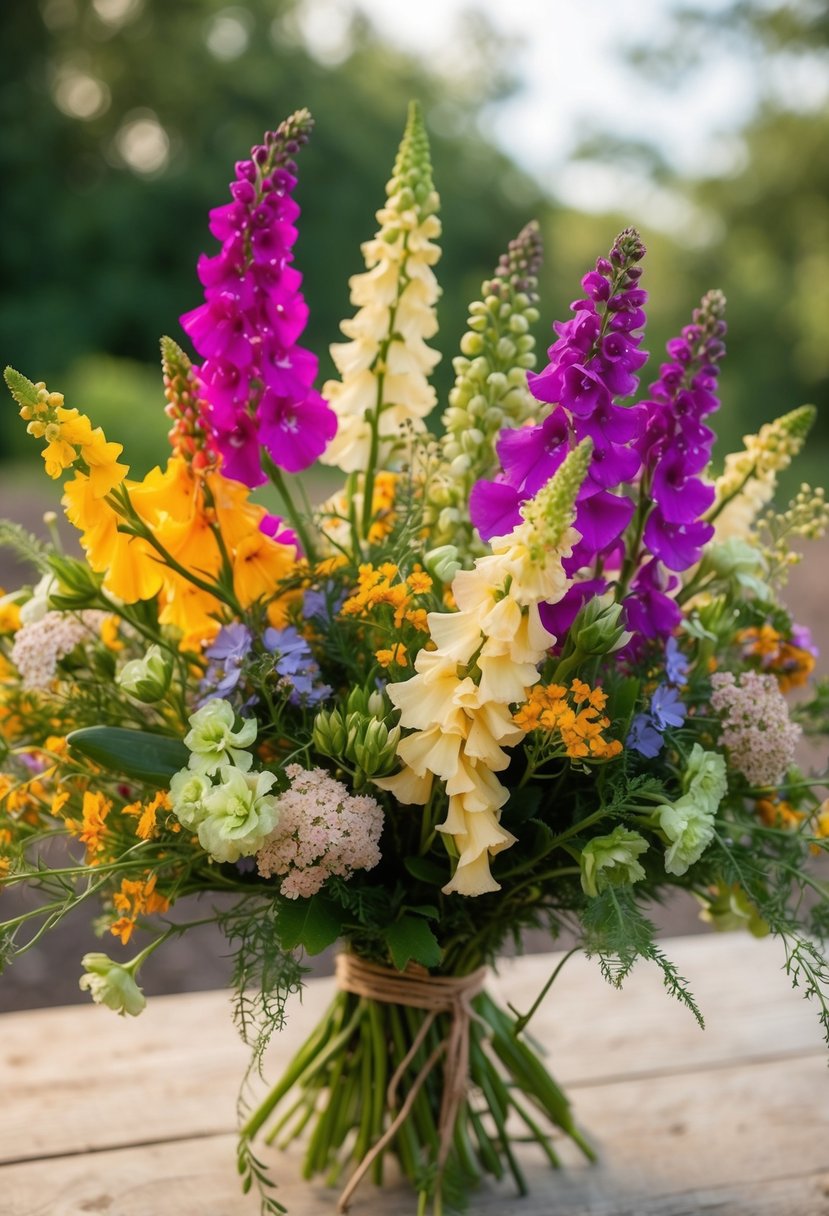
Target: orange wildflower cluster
<point x="91" y="829"/>
<point x="382" y="506"/>
<point x="792" y="665"/>
<point x="137" y="897"/>
<point x="395" y="654"/>
<point x="777" y="813"/>
<point x="574" y="714"/>
<point x="376" y="586"/>
<point x="147" y="814"/>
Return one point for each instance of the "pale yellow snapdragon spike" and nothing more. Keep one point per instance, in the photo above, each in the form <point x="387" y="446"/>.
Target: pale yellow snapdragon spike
<point x="486" y="657"/>
<point x="383" y="392"/>
<point x="747" y="483"/>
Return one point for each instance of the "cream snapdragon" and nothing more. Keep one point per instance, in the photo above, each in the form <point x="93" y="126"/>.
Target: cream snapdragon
<point x="486" y="656"/>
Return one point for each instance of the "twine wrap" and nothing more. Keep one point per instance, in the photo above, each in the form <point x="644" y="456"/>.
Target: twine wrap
<point x="436" y="994"/>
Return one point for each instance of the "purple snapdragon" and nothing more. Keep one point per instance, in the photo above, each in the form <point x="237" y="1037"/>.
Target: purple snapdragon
<point x="594" y="360"/>
<point x="257" y="382"/>
<point x="675" y="447"/>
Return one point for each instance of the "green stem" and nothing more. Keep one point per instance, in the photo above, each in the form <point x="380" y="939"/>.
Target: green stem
<point x="297" y="522"/>
<point x="522" y="1019"/>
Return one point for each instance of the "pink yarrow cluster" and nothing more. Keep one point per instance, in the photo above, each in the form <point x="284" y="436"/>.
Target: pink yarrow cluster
<point x="40" y="645"/>
<point x="756" y="729"/>
<point x="258" y="384"/>
<point x="322" y="830"/>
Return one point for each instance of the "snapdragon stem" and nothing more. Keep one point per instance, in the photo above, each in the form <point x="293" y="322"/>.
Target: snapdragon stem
<point x="297" y="522"/>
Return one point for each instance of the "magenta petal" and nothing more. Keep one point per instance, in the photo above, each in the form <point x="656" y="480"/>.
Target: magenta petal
<point x="678" y="546"/>
<point x="494" y="508"/>
<point x="295" y="433"/>
<point x="559" y="617"/>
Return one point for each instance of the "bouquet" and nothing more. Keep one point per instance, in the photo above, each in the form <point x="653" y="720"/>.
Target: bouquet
<point x="526" y="670"/>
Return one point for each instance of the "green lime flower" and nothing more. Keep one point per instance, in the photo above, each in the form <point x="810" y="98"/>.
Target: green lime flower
<point x="688" y="825"/>
<point x="188" y="791"/>
<point x="610" y="861"/>
<point x="239" y="814"/>
<point x="112" y="984"/>
<point x="705" y="776"/>
<point x="213" y="740"/>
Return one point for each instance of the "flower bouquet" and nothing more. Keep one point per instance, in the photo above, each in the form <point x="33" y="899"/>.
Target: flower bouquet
<point x="525" y="672"/>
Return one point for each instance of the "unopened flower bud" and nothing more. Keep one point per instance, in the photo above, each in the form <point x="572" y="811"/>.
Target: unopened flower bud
<point x="442" y="563"/>
<point x="149" y="678"/>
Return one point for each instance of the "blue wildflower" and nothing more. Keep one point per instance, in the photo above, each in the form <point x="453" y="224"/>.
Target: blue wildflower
<point x="676" y="664"/>
<point x="296" y="665"/>
<point x="644" y="736"/>
<point x="667" y="708"/>
<point x="227" y="654"/>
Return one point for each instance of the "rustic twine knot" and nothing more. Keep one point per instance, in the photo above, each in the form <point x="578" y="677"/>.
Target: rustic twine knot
<point x="436" y="994"/>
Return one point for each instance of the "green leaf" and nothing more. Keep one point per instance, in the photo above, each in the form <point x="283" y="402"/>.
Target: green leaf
<point x="427" y="870"/>
<point x="311" y="923"/>
<point x="134" y="753"/>
<point x="410" y="938"/>
<point x="523" y="805"/>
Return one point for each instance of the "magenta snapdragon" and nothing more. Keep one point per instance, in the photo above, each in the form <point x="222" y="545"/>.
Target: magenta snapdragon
<point x="675" y="448"/>
<point x="257" y="382"/>
<point x="593" y="362"/>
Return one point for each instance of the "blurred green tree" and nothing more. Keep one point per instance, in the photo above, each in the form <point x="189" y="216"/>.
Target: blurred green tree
<point x="119" y="124"/>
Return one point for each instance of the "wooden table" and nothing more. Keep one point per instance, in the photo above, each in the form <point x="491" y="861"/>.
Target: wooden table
<point x="101" y="1114"/>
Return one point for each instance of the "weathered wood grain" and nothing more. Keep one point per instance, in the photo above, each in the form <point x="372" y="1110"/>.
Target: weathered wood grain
<point x="132" y="1117"/>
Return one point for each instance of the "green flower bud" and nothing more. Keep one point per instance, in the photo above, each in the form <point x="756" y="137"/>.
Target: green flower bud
<point x="149" y="678"/>
<point x="112" y="984"/>
<point x="442" y="563"/>
<point x="328" y="733"/>
<point x="610" y="861"/>
<point x="472" y="344"/>
<point x="599" y="628"/>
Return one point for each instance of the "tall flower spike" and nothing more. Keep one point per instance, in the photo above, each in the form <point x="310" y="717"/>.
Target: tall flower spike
<point x="676" y="448"/>
<point x="258" y="384"/>
<point x="592" y="363"/>
<point x="490" y="390"/>
<point x="747" y="483"/>
<point x="383" y="391"/>
<point x="484" y="659"/>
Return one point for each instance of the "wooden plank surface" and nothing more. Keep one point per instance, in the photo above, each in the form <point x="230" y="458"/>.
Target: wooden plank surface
<point x="134" y="1117"/>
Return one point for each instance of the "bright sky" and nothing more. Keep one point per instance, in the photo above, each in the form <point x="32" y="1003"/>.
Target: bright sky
<point x="576" y="81"/>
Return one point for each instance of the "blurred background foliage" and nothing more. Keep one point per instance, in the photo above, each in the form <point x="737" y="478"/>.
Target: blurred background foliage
<point x="120" y="121"/>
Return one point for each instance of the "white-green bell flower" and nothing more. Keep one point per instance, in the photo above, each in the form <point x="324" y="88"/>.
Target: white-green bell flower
<point x="112" y="984"/>
<point x="188" y="791"/>
<point x="688" y="825"/>
<point x="37" y="605"/>
<point x="149" y="678"/>
<point x="240" y="813"/>
<point x="705" y="777"/>
<point x="213" y="740"/>
<point x="611" y="861"/>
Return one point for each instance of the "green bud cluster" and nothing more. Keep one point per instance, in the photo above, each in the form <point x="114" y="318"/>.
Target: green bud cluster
<point x="806" y="516"/>
<point x="358" y="736"/>
<point x="411" y="186"/>
<point x="490" y="389"/>
<point x="553" y="509"/>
